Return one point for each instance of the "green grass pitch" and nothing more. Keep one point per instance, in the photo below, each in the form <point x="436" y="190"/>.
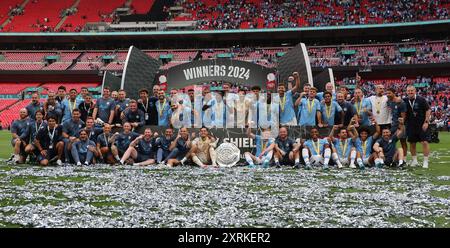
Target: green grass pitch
<point x="32" y="196"/>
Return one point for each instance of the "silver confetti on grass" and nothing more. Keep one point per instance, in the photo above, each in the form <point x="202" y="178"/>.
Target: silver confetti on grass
<point x="104" y="196"/>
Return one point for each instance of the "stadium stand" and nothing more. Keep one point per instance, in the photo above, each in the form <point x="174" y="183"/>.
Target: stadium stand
<point x="14" y="88"/>
<point x="73" y="15"/>
<point x="320" y="56"/>
<point x="141" y="6"/>
<point x="38" y="16"/>
<point x="21" y="66"/>
<point x="225" y="14"/>
<point x="92" y="11"/>
<point x="9" y="114"/>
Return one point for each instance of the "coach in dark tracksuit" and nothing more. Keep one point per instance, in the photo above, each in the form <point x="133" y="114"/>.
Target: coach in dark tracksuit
<point x="417" y="120"/>
<point x="148" y="106"/>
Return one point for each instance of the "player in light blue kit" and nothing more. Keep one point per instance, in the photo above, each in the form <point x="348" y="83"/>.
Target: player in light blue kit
<point x="344" y="153"/>
<point x="364" y="144"/>
<point x="308" y="108"/>
<point x="316" y="151"/>
<point x="328" y="110"/>
<point x="286" y="101"/>
<point x="363" y="108"/>
<point x="264" y="148"/>
<point x="164" y="110"/>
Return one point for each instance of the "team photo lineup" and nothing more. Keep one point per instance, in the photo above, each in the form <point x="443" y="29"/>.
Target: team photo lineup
<point x="71" y="128"/>
<point x="225" y="114"/>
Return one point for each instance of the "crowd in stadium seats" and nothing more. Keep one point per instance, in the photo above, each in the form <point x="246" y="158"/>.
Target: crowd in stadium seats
<point x="342" y="55"/>
<point x="44" y="15"/>
<point x="230" y="14"/>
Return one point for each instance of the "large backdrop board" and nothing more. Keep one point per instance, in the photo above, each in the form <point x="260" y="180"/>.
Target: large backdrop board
<point x="226" y="70"/>
<point x="321" y="79"/>
<point x="295" y="60"/>
<point x="111" y="81"/>
<point x="139" y="72"/>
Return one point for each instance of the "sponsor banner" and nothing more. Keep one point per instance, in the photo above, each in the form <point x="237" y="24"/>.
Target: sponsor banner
<point x="227" y="70"/>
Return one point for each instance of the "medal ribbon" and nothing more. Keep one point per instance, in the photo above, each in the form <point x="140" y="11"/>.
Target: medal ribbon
<point x="310" y="105"/>
<point x="264" y="145"/>
<point x="364" y="146"/>
<point x="283" y="103"/>
<point x="412" y="105"/>
<point x="378" y="105"/>
<point x="36" y="127"/>
<point x="51" y="135"/>
<point x="71" y="108"/>
<point x="328" y="110"/>
<point x="358" y="107"/>
<point x="343" y="149"/>
<point x="316" y="146"/>
<point x="161" y="109"/>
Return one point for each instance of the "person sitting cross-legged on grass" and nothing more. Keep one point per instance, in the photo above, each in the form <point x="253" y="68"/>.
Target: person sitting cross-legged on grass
<point x="122" y="141"/>
<point x="179" y="148"/>
<point x="140" y="150"/>
<point x="83" y="150"/>
<point x="343" y="152"/>
<point x="49" y="143"/>
<point x="388" y="154"/>
<point x="202" y="150"/>
<point x="162" y="145"/>
<point x="285" y="151"/>
<point x="264" y="148"/>
<point x="316" y="151"/>
<point x="363" y="144"/>
<point x="104" y="144"/>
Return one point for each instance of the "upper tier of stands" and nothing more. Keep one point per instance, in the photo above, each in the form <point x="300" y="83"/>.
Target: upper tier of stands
<point x="73" y="15"/>
<point x="44" y="15"/>
<point x="324" y="56"/>
<point x="229" y="14"/>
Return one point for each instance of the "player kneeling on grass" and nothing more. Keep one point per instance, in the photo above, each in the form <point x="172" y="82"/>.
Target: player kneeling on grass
<point x="343" y="151"/>
<point x="388" y="154"/>
<point x="202" y="150"/>
<point x="264" y="148"/>
<point x="19" y="131"/>
<point x="316" y="151"/>
<point x="35" y="125"/>
<point x="83" y="150"/>
<point x="104" y="143"/>
<point x="179" y="148"/>
<point x="141" y="150"/>
<point x="365" y="156"/>
<point x="284" y="150"/>
<point x="49" y="143"/>
<point x="122" y="141"/>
